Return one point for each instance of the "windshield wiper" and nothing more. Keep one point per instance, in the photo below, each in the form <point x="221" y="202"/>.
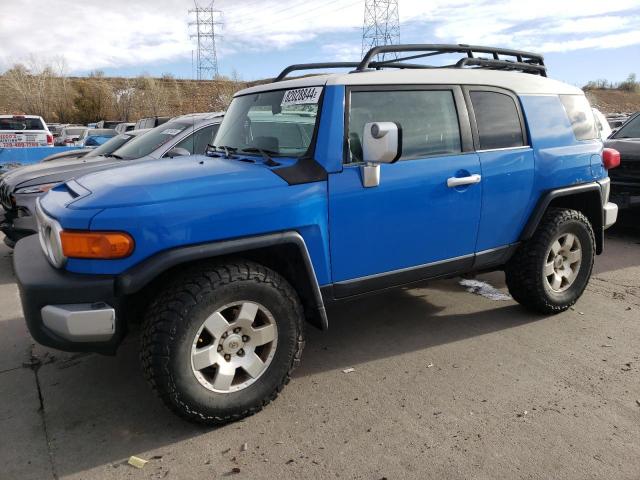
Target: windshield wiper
<point x="265" y="155"/>
<point x="228" y="151"/>
<point x="111" y="155"/>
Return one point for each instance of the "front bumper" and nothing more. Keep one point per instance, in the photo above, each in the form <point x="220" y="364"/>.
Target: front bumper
<point x="63" y="310"/>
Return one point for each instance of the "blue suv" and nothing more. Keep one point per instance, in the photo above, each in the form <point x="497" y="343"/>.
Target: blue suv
<point x="318" y="190"/>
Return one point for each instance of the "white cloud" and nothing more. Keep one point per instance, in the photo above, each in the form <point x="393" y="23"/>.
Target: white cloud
<point x="122" y="33"/>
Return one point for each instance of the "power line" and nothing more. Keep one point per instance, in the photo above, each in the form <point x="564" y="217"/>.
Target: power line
<point x="381" y="25"/>
<point x="206" y="21"/>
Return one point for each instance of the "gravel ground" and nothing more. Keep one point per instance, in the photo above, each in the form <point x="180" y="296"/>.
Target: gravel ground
<point x="447" y="383"/>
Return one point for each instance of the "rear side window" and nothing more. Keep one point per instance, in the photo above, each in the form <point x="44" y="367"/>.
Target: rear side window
<point x="497" y="119"/>
<point x="428" y="120"/>
<point x="21" y="123"/>
<point x="580" y="116"/>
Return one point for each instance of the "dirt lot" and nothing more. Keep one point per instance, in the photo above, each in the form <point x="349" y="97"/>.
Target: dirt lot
<point x="447" y="384"/>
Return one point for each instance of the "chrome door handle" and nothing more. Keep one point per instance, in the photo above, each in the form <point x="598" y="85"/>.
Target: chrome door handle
<point x="458" y="181"/>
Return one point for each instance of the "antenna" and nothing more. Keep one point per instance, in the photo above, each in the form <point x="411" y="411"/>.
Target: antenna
<point x="206" y="20"/>
<point x="381" y="26"/>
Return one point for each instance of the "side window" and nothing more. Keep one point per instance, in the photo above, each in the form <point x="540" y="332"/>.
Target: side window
<point x="197" y="142"/>
<point x="497" y="120"/>
<point x="581" y="116"/>
<point x="428" y="119"/>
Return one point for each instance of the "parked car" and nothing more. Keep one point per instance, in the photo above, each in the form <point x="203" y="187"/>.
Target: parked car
<point x="602" y="125"/>
<point x="151" y="122"/>
<point x="96" y="137"/>
<point x="71" y="135"/>
<point x="105" y="149"/>
<point x="24" y="131"/>
<point x="625" y="180"/>
<point x="108" y="123"/>
<point x="322" y="189"/>
<point x="19" y="189"/>
<point x="125" y="127"/>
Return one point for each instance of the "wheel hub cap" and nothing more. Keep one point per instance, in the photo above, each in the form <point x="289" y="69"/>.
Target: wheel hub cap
<point x="232" y="344"/>
<point x="234" y="347"/>
<point x="563" y="262"/>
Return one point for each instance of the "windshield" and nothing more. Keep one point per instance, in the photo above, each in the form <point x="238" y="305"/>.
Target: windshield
<point x="280" y="122"/>
<point x="153" y="139"/>
<point x="631" y="129"/>
<point x="110" y="146"/>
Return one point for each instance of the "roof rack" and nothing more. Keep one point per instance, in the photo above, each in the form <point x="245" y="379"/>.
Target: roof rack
<point x="526" y="62"/>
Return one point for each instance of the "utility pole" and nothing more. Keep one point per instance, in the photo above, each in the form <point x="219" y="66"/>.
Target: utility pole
<point x="381" y="25"/>
<point x="206" y="21"/>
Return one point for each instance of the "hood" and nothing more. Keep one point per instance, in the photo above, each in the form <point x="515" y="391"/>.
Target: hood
<point x="167" y="180"/>
<point x="629" y="148"/>
<point x="71" y="154"/>
<point x="56" y="171"/>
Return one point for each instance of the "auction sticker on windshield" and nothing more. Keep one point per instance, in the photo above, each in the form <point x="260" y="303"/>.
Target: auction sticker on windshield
<point x="301" y="96"/>
<point x="171" y="131"/>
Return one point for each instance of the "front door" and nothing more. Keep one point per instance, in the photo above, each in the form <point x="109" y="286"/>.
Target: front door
<point x="414" y="224"/>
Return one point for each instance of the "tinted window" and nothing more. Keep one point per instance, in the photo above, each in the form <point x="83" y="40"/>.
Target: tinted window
<point x="497" y="119"/>
<point x="631" y="129"/>
<point x="197" y="143"/>
<point x="18" y="123"/>
<point x="581" y="116"/>
<point x="428" y="120"/>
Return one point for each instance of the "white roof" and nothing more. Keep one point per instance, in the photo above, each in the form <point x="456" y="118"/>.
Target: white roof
<point x="519" y="83"/>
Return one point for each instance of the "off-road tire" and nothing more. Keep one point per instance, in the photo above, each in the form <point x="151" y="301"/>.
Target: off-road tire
<point x="524" y="272"/>
<point x="180" y="309"/>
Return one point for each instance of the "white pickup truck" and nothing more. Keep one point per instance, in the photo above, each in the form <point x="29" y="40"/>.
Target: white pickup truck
<point x="24" y="131"/>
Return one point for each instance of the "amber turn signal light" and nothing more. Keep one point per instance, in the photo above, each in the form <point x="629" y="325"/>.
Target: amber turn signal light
<point x="96" y="245"/>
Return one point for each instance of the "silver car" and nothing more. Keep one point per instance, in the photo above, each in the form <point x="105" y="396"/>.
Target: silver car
<point x="19" y="188"/>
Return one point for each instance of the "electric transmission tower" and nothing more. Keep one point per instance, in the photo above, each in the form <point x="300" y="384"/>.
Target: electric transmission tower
<point x="381" y="25"/>
<point x="206" y="21"/>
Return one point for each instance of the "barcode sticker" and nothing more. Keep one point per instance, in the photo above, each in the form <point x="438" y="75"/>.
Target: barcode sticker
<point x="301" y="96"/>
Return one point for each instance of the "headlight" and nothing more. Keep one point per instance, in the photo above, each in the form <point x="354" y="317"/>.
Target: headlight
<point x="49" y="233"/>
<point x="45" y="187"/>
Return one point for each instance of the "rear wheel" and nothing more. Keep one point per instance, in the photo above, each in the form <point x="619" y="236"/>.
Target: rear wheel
<point x="221" y="341"/>
<point x="550" y="271"/>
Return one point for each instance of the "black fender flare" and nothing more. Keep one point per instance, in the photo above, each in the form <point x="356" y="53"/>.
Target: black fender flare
<point x="140" y="275"/>
<point x="574" y="190"/>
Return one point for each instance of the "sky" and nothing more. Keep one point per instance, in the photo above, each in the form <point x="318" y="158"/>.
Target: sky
<point x="582" y="40"/>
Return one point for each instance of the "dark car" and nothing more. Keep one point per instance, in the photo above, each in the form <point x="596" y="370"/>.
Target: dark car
<point x="625" y="180"/>
<point x="21" y="187"/>
<point x="151" y="122"/>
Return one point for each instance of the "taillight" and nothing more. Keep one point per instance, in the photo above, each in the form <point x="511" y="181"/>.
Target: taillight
<point x="610" y="158"/>
<point x="49" y="139"/>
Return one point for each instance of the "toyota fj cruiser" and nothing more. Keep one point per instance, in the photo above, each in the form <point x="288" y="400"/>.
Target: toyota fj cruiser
<point x="321" y="189"/>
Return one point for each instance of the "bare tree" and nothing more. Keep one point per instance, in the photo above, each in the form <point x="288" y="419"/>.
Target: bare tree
<point x="153" y="96"/>
<point x="32" y="84"/>
<point x="124" y="98"/>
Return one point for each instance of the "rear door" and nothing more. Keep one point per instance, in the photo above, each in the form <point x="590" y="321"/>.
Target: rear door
<point x="412" y="225"/>
<point x="507" y="163"/>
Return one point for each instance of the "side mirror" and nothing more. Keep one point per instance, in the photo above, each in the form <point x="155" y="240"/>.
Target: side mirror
<point x="177" y="152"/>
<point x="381" y="143"/>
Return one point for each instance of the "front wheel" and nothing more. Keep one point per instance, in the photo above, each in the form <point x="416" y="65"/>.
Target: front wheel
<point x="222" y="340"/>
<point x="550" y="271"/>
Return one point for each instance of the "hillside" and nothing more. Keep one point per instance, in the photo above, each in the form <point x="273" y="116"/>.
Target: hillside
<point x="614" y="101"/>
<point x="89" y="99"/>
